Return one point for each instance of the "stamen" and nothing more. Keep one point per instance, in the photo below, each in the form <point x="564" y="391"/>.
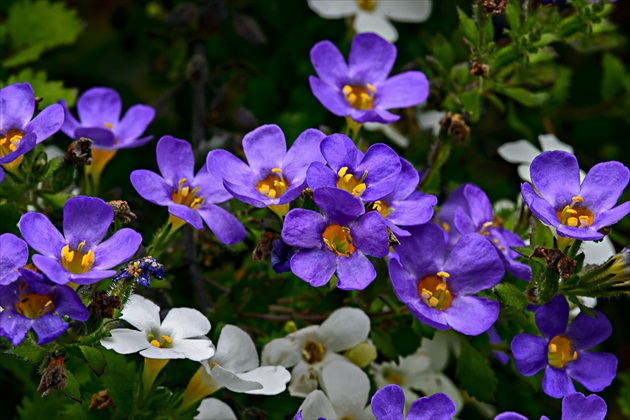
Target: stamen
<point x="359" y="97"/>
<point x="276" y="170"/>
<point x="155" y="343"/>
<point x="443" y="274"/>
<point x="434" y="292"/>
<point x="342" y="171"/>
<point x="358" y="190"/>
<point x="338" y="239"/>
<point x="347" y="178"/>
<point x="446" y="227"/>
<point x="560" y="351"/>
<point x="168" y="339"/>
<point x="77" y="261"/>
<point x="187" y="196"/>
<point x="577" y="199"/>
<point x="572" y="221"/>
<point x="108" y="125"/>
<point x="274" y="185"/>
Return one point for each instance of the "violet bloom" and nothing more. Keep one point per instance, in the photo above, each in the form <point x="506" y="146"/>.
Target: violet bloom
<point x="79" y="255"/>
<point x="469" y="210"/>
<point x="18" y="134"/>
<point x="32" y="301"/>
<point x="562" y="351"/>
<point x="273" y="176"/>
<point x="13" y="255"/>
<point x="190" y="198"/>
<point x="360" y="89"/>
<point x="576" y="211"/>
<point x="574" y="406"/>
<point x="437" y="287"/>
<point x="370" y="177"/>
<point x="336" y="241"/>
<point x="388" y="403"/>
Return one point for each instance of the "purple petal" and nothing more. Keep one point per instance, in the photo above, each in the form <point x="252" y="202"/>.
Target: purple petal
<point x="120" y="247"/>
<point x="603" y="185"/>
<point x="92" y="276"/>
<point x="86" y="219"/>
<point x="612" y="216"/>
<point x="17" y="104"/>
<point x="471" y="315"/>
<point x="13" y="254"/>
<point x="594" y="370"/>
<point x="552" y="317"/>
<point x="249" y="194"/>
<point x="541" y="208"/>
<point x="52" y="268"/>
<point x="304" y="151"/>
<point x="388" y="403"/>
<point x="41" y="234"/>
<point x="414" y="211"/>
<point x="339" y="206"/>
<point x="479" y="205"/>
<point x="586" y="332"/>
<point x="292" y="193"/>
<point x="303" y="228"/>
<point x="175" y="159"/>
<point x="314" y="266"/>
<point x="101" y="137"/>
<point x="371" y="58"/>
<point x="407" y="181"/>
<point x="132" y="143"/>
<point x="211" y="187"/>
<point x="373" y="115"/>
<point x="340" y="151"/>
<point x="511" y="415"/>
<point x="463" y="223"/>
<point x="583" y="234"/>
<point x="577" y="406"/>
<point x="151" y="187"/>
<point x="530" y="353"/>
<point x="556" y="176"/>
<point x="401" y="91"/>
<point x="369" y="234"/>
<point x="186" y="214"/>
<point x="423" y="252"/>
<point x="223" y="224"/>
<point x="455" y="199"/>
<point x="435" y="407"/>
<point x="98" y="106"/>
<point x="355" y="272"/>
<point x="383" y="166"/>
<point x="557" y="382"/>
<point x="70" y="123"/>
<point x="48" y="328"/>
<point x="319" y="175"/>
<point x="27" y="144"/>
<point x="14" y="326"/>
<point x="47" y="123"/>
<point x="265" y="148"/>
<point x="405" y="283"/>
<point x="329" y="63"/>
<point x="228" y="167"/>
<point x="134" y="123"/>
<point x="330" y="96"/>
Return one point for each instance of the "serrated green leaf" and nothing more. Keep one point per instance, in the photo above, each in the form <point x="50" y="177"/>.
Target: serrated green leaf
<point x="51" y="90"/>
<point x="614" y="76"/>
<point x="525" y="96"/>
<point x="383" y="342"/>
<point x="95" y="359"/>
<point x="475" y="374"/>
<point x="121" y="390"/>
<point x="472" y="104"/>
<point x="511" y="295"/>
<point x="28" y="352"/>
<point x="469" y="28"/>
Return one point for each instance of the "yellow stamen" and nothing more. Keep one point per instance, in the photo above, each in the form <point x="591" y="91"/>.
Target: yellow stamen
<point x="446" y="227"/>
<point x="572" y="221"/>
<point x="338" y="239"/>
<point x="155" y="343"/>
<point x="443" y="274"/>
<point x="577" y="199"/>
<point x="276" y="170"/>
<point x="10" y="142"/>
<point x="79" y="265"/>
<point x="367" y="5"/>
<point x="342" y="171"/>
<point x="34" y="306"/>
<point x="359" y="97"/>
<point x="168" y="339"/>
<point x="560" y="351"/>
<point x="274" y="185"/>
<point x="435" y="292"/>
<point x="184" y="195"/>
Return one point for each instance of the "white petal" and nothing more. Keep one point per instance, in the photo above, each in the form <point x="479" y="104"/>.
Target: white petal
<point x="389" y="130"/>
<point x="196" y="349"/>
<point x="273" y="379"/>
<point x="281" y="351"/>
<point x="503" y="204"/>
<point x="523" y="172"/>
<point x="430" y="120"/>
<point x="439" y="349"/>
<point x="416" y="363"/>
<point x="303" y="380"/>
<point x="317" y="405"/>
<point x="347" y="387"/>
<point x="520" y="151"/>
<point x="432" y="382"/>
<point x="344" y="328"/>
<point x="142" y="314"/>
<point x="185" y="323"/>
<point x="213" y="409"/>
<point x="551" y="142"/>
<point x="125" y="341"/>
<point x="373" y="22"/>
<point x="232" y="381"/>
<point x="597" y="252"/>
<point x="236" y="350"/>
<point x="406" y="10"/>
<point x="334" y="9"/>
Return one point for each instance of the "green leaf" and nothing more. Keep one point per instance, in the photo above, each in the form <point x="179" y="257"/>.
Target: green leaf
<point x="474" y="373"/>
<point x="50" y="90"/>
<point x="469" y="28"/>
<point x="513" y="15"/>
<point x="384" y="343"/>
<point x="36" y="26"/>
<point x="120" y="377"/>
<point x="525" y="96"/>
<point x="614" y="76"/>
<point x="511" y="295"/>
<point x="505" y="57"/>
<point x="28" y="352"/>
<point x="560" y="89"/>
<point x="423" y="330"/>
<point x="624" y="393"/>
<point x="442" y="51"/>
<point x="524" y="251"/>
<point x="72" y="389"/>
<point x="541" y="234"/>
<point x="472" y="104"/>
<point x="95" y="359"/>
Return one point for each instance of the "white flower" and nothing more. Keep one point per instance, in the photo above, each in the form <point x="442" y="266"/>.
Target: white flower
<point x="213" y="409"/>
<point x="374" y="15"/>
<point x="181" y="334"/>
<point x="311" y="348"/>
<point x="346" y="388"/>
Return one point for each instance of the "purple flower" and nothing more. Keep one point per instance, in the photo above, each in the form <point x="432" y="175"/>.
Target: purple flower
<point x="371" y="176"/>
<point x="469" y="210"/>
<point x="574" y="406"/>
<point x="437" y="287"/>
<point x="18" y="134"/>
<point x="34" y="302"/>
<point x="576" y="211"/>
<point x="141" y="269"/>
<point x="13" y="255"/>
<point x="78" y="255"/>
<point x="562" y="351"/>
<point x="189" y="197"/>
<point x="361" y="89"/>
<point x="336" y="241"/>
<point x="273" y="176"/>
<point x="388" y="403"/>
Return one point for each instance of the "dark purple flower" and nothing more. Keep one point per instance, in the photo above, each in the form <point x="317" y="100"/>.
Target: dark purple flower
<point x="469" y="210"/>
<point x="272" y="176"/>
<point x="18" y="134"/>
<point x="281" y="254"/>
<point x="562" y="351"/>
<point x="141" y="269"/>
<point x="370" y="177"/>
<point x="388" y="403"/>
<point x="574" y="406"/>
<point x="32" y="301"/>
<point x="361" y="89"/>
<point x="437" y="287"/>
<point x="576" y="211"/>
<point x="78" y="255"/>
<point x="336" y="241"/>
<point x="189" y="197"/>
<point x="13" y="255"/>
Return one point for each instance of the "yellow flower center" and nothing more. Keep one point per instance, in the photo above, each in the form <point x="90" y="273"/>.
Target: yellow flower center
<point x="359" y="97"/>
<point x="10" y="142"/>
<point x="184" y="195"/>
<point x="382" y="208"/>
<point x="575" y="216"/>
<point x="560" y="352"/>
<point x="108" y="125"/>
<point x="313" y="352"/>
<point x="434" y="291"/>
<point x="161" y="341"/>
<point x="367" y="5"/>
<point x="348" y="182"/>
<point x="33" y="305"/>
<point x="337" y="238"/>
<point x="274" y="185"/>
<point x="77" y="261"/>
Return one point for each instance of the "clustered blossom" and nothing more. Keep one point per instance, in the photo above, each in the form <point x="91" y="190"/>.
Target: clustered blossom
<point x="141" y="270"/>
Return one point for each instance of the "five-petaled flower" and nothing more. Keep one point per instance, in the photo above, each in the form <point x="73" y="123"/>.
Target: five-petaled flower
<point x="360" y="89"/>
<point x="79" y="255"/>
<point x="562" y="351"/>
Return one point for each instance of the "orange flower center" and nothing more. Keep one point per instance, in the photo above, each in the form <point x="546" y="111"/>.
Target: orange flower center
<point x="77" y="261"/>
<point x="434" y="291"/>
<point x="10" y="142"/>
<point x="359" y="97"/>
<point x="274" y="185"/>
<point x="575" y="216"/>
<point x="560" y="352"/>
<point x="337" y="238"/>
<point x="33" y="305"/>
<point x="184" y="195"/>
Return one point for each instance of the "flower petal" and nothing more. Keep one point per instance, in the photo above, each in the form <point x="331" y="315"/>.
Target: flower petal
<point x="49" y="327"/>
<point x="540" y="207"/>
<point x="175" y="159"/>
<point x="339" y="206"/>
<point x="557" y="382"/>
<point x="403" y="90"/>
<point x="118" y="248"/>
<point x="303" y="228"/>
<point x="232" y="381"/>
<point x="333" y="9"/>
<point x="98" y="106"/>
<point x="407" y="11"/>
<point x="383" y="166"/>
<point x="46" y="123"/>
<point x="388" y="403"/>
<point x="471" y="315"/>
<point x="210" y="186"/>
<point x="52" y="268"/>
<point x="185" y="323"/>
<point x="340" y="151"/>
<point x="346" y="385"/>
<point x="70" y="124"/>
<point x="17" y="104"/>
<point x="376" y="23"/>
<point x="265" y="148"/>
<point x="314" y="266"/>
<point x="227" y="228"/>
<point x="86" y="219"/>
<point x="319" y="175"/>
<point x="520" y="151"/>
<point x="577" y="406"/>
<point x="226" y="166"/>
<point x="13" y="254"/>
<point x="41" y="234"/>
<point x="14" y="326"/>
<point x="552" y="317"/>
<point x="556" y="176"/>
<point x="594" y="370"/>
<point x="304" y="151"/>
<point x="134" y="123"/>
<point x="213" y="409"/>
<point x="586" y="332"/>
<point x="435" y="407"/>
<point x="126" y="341"/>
<point x="329" y="63"/>
<point x="530" y="353"/>
<point x="101" y="137"/>
<point x="369" y="234"/>
<point x="187" y="214"/>
<point x="355" y="272"/>
<point x="344" y="328"/>
<point x="151" y="187"/>
<point x="248" y="194"/>
<point x="329" y="96"/>
<point x="317" y="405"/>
<point x="423" y="252"/>
<point x="236" y="350"/>
<point x="371" y="57"/>
<point x="142" y="314"/>
<point x="603" y="185"/>
<point x="612" y="216"/>
<point x="281" y="351"/>
<point x="197" y="349"/>
<point x="273" y="379"/>
<point x="416" y="210"/>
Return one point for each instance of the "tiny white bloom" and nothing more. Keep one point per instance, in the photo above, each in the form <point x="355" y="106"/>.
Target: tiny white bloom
<point x="346" y="391"/>
<point x="181" y="335"/>
<point x="374" y="15"/>
<point x="213" y="409"/>
<point x="310" y="349"/>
